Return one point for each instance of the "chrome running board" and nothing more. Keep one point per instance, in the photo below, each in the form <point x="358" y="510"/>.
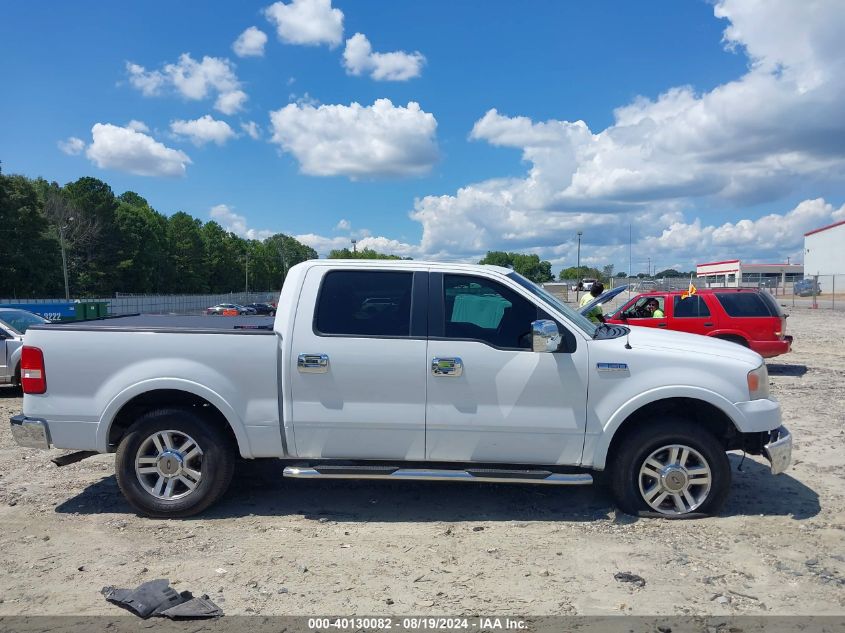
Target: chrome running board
<point x="430" y="474"/>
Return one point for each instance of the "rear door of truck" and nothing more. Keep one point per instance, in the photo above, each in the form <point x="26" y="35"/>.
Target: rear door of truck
<point x="358" y="364"/>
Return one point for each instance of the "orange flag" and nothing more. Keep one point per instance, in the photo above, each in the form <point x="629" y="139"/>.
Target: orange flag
<point x="689" y="292"/>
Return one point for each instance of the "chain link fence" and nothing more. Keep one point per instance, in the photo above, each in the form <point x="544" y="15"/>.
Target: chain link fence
<point x="825" y="292"/>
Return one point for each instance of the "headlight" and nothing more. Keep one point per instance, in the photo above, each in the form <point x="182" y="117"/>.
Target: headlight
<point x="758" y="383"/>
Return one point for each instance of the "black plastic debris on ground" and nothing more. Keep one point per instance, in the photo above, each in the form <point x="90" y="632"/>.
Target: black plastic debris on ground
<point x="158" y="598"/>
<point x="626" y="576"/>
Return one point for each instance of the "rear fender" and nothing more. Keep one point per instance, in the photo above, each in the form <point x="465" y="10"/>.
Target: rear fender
<point x="177" y="384"/>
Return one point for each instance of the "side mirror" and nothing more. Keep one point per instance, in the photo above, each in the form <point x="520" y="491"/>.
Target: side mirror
<point x="545" y="336"/>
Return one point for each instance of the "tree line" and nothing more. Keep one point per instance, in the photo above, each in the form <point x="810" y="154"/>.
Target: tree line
<point x="119" y="243"/>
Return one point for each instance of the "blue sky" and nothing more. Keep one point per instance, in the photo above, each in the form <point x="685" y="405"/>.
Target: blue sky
<point x="713" y="129"/>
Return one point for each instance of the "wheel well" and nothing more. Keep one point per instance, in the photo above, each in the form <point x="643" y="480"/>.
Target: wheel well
<point x="165" y="398"/>
<point x="733" y="338"/>
<point x="703" y="413"/>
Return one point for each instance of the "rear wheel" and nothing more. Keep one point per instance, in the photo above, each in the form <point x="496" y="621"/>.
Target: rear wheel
<point x="173" y="463"/>
<point x="671" y="468"/>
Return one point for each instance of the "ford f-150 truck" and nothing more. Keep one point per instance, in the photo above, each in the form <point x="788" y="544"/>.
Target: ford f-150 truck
<point x="402" y="370"/>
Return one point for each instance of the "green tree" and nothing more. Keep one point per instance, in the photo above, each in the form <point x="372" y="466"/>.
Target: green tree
<point x="28" y="252"/>
<point x="364" y="253"/>
<point x="186" y="254"/>
<point x="284" y="252"/>
<point x="96" y="260"/>
<point x="529" y="266"/>
<point x="575" y="273"/>
<point x="142" y="253"/>
<point x="669" y="272"/>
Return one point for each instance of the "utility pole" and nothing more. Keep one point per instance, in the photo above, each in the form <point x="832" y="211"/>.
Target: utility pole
<point x="578" y="267"/>
<point x="62" y="228"/>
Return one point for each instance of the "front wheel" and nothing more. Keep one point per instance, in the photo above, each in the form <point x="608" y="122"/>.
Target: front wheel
<point x="673" y="468"/>
<point x="173" y="463"/>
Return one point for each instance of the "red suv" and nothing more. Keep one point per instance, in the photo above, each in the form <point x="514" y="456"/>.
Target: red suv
<point x="746" y="316"/>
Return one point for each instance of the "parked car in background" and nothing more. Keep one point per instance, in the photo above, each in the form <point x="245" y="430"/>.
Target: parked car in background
<point x="229" y="309"/>
<point x="806" y="288"/>
<point x="263" y="308"/>
<point x="13" y="324"/>
<point x="747" y="316"/>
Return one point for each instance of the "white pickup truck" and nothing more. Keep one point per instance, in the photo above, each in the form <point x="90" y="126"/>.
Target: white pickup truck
<point x="402" y="370"/>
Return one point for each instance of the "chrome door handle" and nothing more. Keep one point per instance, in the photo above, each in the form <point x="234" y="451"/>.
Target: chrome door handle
<point x="312" y="363"/>
<point x="447" y="366"/>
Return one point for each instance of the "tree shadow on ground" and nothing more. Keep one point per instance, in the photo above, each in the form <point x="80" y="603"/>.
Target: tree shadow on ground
<point x="259" y="489"/>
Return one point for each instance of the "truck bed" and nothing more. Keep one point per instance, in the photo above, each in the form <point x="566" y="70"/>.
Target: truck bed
<point x="199" y="324"/>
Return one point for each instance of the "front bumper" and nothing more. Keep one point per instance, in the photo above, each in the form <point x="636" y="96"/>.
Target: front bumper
<point x="30" y="432"/>
<point x="779" y="450"/>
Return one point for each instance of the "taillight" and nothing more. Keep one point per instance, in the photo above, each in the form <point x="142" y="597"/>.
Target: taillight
<point x="33" y="376"/>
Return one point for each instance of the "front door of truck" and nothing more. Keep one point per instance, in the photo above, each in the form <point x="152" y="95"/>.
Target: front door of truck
<point x="490" y="398"/>
<point x="357" y="367"/>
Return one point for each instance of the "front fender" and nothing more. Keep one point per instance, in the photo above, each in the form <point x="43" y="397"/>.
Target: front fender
<point x="602" y="443"/>
<point x="178" y="384"/>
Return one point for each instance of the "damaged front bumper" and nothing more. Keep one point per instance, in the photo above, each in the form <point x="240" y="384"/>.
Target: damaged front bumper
<point x="30" y="432"/>
<point x="779" y="449"/>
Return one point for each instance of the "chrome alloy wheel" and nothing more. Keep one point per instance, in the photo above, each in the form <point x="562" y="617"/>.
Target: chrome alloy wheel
<point x="168" y="465"/>
<point x="675" y="479"/>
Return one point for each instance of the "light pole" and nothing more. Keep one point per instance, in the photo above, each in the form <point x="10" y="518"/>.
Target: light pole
<point x="62" y="228"/>
<point x="578" y="267"/>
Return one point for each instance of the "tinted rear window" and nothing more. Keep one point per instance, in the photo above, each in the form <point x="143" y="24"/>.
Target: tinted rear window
<point x="365" y="303"/>
<point x="693" y="306"/>
<point x="745" y="304"/>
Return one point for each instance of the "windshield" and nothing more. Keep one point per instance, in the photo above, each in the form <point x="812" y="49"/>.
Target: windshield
<point x="20" y="320"/>
<point x="577" y="319"/>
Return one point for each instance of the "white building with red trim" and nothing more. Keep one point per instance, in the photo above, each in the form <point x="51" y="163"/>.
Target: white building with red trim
<point x="732" y="273"/>
<point x="824" y="250"/>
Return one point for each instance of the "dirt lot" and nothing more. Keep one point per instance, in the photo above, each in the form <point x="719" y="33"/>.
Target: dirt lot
<point x="304" y="547"/>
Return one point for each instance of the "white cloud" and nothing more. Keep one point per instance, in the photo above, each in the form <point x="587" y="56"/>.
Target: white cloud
<point x="237" y="224"/>
<point x="125" y="149"/>
<point x="203" y="130"/>
<point x="749" y="141"/>
<point x="251" y="129"/>
<point x="71" y="146"/>
<point x="192" y="79"/>
<point x="309" y="22"/>
<point x="323" y="245"/>
<point x="376" y="141"/>
<point x="230" y="102"/>
<point x="138" y="126"/>
<point x="359" y="58"/>
<point x="343" y="225"/>
<point x="149" y="83"/>
<point x="250" y="43"/>
<point x="769" y="235"/>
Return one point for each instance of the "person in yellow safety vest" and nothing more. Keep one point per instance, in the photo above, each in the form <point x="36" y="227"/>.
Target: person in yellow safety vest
<point x="652" y="307"/>
<point x="595" y="314"/>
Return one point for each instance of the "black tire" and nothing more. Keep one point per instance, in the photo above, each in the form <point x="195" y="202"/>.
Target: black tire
<point x="216" y="463"/>
<point x="636" y="447"/>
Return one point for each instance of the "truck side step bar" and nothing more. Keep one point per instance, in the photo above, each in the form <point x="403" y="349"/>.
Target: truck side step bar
<point x="432" y="474"/>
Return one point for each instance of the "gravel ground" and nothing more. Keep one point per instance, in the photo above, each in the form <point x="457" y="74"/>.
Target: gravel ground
<point x="309" y="547"/>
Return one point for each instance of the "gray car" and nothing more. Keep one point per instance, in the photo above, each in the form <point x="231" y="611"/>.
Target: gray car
<point x="13" y="324"/>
